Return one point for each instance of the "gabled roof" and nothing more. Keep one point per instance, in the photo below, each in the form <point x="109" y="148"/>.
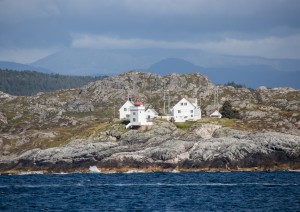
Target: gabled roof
<point x="188" y="100"/>
<point x="128" y="102"/>
<point x="216" y="113"/>
<point x="154" y="111"/>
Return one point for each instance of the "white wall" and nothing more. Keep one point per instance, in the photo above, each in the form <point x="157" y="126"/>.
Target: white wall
<point x="124" y="111"/>
<point x="150" y="114"/>
<point x="138" y="116"/>
<point x="184" y="111"/>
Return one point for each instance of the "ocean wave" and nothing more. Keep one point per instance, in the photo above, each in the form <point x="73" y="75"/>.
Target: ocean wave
<point x="195" y="184"/>
<point x="135" y="171"/>
<point x="31" y="172"/>
<point x="94" y="169"/>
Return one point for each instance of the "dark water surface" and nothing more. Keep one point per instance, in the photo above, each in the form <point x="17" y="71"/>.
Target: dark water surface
<point x="219" y="191"/>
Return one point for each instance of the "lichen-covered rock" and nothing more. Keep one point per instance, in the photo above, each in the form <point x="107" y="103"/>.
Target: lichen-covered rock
<point x="79" y="105"/>
<point x="205" y="130"/>
<point x="3" y="119"/>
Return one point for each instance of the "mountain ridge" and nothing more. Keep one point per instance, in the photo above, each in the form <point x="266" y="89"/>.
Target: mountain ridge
<point x="251" y="71"/>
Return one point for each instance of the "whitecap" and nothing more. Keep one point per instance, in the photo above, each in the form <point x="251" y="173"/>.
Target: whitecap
<point x="94" y="169"/>
<point x="134" y="171"/>
<point x="31" y="172"/>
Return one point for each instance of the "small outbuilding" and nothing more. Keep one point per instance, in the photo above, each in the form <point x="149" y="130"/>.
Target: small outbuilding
<point x="216" y="114"/>
<point x="151" y="113"/>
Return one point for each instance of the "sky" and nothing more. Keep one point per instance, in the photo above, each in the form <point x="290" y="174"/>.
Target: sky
<point x="33" y="29"/>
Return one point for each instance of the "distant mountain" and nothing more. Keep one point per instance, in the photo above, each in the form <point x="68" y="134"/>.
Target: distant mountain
<point x="254" y="76"/>
<point x="78" y="61"/>
<point x="174" y="65"/>
<point x="252" y="71"/>
<point x="21" y="67"/>
<point x="249" y="75"/>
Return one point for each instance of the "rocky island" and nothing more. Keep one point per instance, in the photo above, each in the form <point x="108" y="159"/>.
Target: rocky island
<point x="75" y="129"/>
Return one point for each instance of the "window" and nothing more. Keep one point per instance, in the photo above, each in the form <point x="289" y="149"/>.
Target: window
<point x="133" y="113"/>
<point x="133" y="119"/>
<point x="125" y="109"/>
<point x="179" y="111"/>
<point x="185" y="104"/>
<point x="181" y="103"/>
<point x="192" y="111"/>
<point x="191" y="115"/>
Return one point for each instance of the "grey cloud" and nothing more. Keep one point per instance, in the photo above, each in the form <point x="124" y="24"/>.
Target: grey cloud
<point x="43" y="23"/>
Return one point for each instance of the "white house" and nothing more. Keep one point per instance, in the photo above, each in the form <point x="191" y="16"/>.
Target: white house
<point x="137" y="115"/>
<point x="125" y="109"/>
<point x="186" y="109"/>
<point x="216" y="114"/>
<point x="151" y="113"/>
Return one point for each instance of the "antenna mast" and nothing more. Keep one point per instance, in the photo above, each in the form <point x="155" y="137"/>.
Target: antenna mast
<point x="168" y="101"/>
<point x="216" y="98"/>
<point x="164" y="101"/>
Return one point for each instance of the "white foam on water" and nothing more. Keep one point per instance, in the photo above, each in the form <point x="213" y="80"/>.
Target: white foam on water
<point x="94" y="169"/>
<point x="31" y="172"/>
<point x="134" y="171"/>
<point x="167" y="184"/>
<point x="38" y="185"/>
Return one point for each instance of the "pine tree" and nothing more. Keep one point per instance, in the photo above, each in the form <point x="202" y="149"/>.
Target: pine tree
<point x="228" y="112"/>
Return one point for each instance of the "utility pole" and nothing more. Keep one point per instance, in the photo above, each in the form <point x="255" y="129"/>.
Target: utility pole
<point x="200" y="101"/>
<point x="218" y="97"/>
<point x="168" y="101"/>
<point x="114" y="112"/>
<point x="164" y="101"/>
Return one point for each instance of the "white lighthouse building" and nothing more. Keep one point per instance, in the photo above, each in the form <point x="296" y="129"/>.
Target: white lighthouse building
<point x="137" y="115"/>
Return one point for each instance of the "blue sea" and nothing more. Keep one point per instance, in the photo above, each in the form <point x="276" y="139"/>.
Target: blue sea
<point x="196" y="191"/>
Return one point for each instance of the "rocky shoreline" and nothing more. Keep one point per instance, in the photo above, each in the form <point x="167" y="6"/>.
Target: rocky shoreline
<point x="165" y="148"/>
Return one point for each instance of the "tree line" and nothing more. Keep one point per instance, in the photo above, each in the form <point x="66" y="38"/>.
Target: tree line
<point x="26" y="83"/>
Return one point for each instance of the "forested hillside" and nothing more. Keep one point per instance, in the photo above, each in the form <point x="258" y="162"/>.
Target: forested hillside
<point x="24" y="83"/>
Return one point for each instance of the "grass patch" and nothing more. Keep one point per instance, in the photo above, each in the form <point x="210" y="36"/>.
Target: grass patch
<point x="225" y="122"/>
<point x="185" y="125"/>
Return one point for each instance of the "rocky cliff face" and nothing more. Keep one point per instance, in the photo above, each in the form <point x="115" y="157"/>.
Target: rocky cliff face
<point x="49" y="122"/>
<point x="164" y="147"/>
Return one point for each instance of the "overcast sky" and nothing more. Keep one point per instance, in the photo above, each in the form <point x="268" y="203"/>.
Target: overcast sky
<point x="32" y="29"/>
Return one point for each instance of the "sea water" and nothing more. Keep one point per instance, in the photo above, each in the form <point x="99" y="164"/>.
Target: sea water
<point x="196" y="191"/>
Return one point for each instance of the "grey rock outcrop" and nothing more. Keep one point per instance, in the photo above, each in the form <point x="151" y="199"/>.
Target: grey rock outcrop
<point x="3" y="119"/>
<point x="164" y="147"/>
<point x="79" y="105"/>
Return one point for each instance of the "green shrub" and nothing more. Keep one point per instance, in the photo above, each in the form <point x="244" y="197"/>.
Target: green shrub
<point x="228" y="112"/>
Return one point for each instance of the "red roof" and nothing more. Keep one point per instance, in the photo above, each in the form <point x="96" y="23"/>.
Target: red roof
<point x="137" y="103"/>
